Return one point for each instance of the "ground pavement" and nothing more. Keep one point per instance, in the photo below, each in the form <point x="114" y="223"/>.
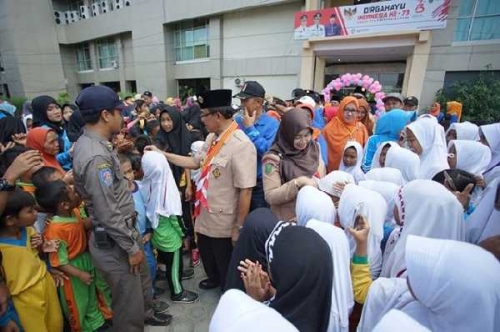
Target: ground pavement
<point x="189" y="317"/>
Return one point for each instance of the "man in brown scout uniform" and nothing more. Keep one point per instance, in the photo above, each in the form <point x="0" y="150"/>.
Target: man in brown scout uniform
<point x="228" y="173"/>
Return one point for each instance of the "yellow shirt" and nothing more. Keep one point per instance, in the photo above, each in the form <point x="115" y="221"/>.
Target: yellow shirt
<point x="361" y="281"/>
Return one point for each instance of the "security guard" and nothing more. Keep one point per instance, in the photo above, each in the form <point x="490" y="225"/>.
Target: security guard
<point x="227" y="175"/>
<point x="114" y="244"/>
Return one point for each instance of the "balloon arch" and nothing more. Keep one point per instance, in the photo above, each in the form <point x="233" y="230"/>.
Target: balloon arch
<point x="365" y="81"/>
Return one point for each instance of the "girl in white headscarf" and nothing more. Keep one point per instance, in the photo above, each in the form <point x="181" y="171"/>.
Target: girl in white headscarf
<point x="490" y="136"/>
<point x="314" y="204"/>
<point x="404" y="160"/>
<point x="333" y="184"/>
<point x="342" y="292"/>
<point x="352" y="159"/>
<point x="484" y="221"/>
<point x="356" y="201"/>
<point x="462" y="131"/>
<point x="424" y="208"/>
<point x="442" y="292"/>
<point x="396" y="320"/>
<point x="469" y="156"/>
<point x="379" y="158"/>
<point x="426" y="138"/>
<point x="238" y="312"/>
<point x="387" y="174"/>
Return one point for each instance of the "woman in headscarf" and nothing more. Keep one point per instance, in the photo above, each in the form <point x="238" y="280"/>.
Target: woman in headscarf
<point x="292" y="163"/>
<point x="483" y="222"/>
<point x="357" y="201"/>
<point x="46" y="141"/>
<point x="75" y="126"/>
<point x="301" y="276"/>
<point x="250" y="245"/>
<point x="388" y="129"/>
<point x="365" y="116"/>
<point x="192" y="118"/>
<point x="425" y="137"/>
<point x="490" y="136"/>
<point x="314" y="204"/>
<point x="10" y="126"/>
<point x="47" y="113"/>
<point x="424" y="208"/>
<point x="404" y="160"/>
<point x="388" y="174"/>
<point x="351" y="160"/>
<point x="28" y="121"/>
<point x="238" y="312"/>
<point x="462" y="131"/>
<point x="441" y="291"/>
<point x="344" y="127"/>
<point x="27" y="110"/>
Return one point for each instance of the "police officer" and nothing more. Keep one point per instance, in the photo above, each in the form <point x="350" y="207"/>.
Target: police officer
<point x="114" y="244"/>
<point x="260" y="128"/>
<point x="227" y="175"/>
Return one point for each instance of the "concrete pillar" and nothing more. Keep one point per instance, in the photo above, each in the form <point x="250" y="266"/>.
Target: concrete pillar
<point x="94" y="56"/>
<point x="312" y="5"/>
<point x="307" y="67"/>
<point x="121" y="63"/>
<point x="418" y="66"/>
<point x="215" y="37"/>
<point x="319" y="74"/>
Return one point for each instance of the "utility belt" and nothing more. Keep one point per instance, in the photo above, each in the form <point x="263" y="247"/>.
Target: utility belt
<point x="102" y="238"/>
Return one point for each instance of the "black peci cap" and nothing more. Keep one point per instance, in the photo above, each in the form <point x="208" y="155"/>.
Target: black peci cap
<point x="215" y="99"/>
<point x="97" y="98"/>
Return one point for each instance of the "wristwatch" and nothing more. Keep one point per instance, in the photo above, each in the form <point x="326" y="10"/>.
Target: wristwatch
<point x="6" y="186"/>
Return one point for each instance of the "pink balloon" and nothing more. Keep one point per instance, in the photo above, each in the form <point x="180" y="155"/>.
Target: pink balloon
<point x="366" y="77"/>
<point x="378" y="95"/>
<point x="358" y="76"/>
<point x="372" y="90"/>
<point x="338" y="86"/>
<point x="370" y="80"/>
<point x="348" y="77"/>
<point x="359" y="82"/>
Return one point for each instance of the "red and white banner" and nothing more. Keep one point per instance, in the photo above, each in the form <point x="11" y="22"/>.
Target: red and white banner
<point x="397" y="15"/>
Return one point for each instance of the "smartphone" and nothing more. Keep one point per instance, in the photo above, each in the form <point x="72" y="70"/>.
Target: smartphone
<point x="359" y="211"/>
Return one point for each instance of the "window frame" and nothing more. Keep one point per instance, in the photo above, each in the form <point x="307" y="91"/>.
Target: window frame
<point x="186" y="50"/>
<point x="473" y="16"/>
<point x="84" y="49"/>
<point x="107" y="57"/>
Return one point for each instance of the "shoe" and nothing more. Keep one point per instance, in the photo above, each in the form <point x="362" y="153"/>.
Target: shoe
<point x="159" y="320"/>
<point x="160" y="307"/>
<point x="157" y="291"/>
<point x="185" y="297"/>
<point x="187" y="274"/>
<point x="195" y="257"/>
<point x="207" y="284"/>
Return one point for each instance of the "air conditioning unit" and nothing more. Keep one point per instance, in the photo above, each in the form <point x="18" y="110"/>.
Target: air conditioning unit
<point x="60" y="17"/>
<point x="84" y="12"/>
<point x="128" y="3"/>
<point x="104" y="6"/>
<point x="75" y="16"/>
<point x="96" y="9"/>
<point x="67" y="15"/>
<point x="118" y="4"/>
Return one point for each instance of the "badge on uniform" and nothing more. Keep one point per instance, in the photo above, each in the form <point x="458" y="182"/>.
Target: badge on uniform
<point x="105" y="177"/>
<point x="268" y="168"/>
<point x="216" y="173"/>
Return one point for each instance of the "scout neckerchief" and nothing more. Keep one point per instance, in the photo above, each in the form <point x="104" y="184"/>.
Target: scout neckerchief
<point x="202" y="186"/>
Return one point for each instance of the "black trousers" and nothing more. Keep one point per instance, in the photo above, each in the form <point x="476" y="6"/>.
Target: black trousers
<point x="258" y="197"/>
<point x="215" y="254"/>
<point x="174" y="264"/>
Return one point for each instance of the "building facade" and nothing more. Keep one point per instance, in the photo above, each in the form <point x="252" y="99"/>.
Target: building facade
<point x="175" y="47"/>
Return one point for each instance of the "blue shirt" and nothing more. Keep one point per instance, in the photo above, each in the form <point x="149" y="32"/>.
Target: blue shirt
<point x="140" y="207"/>
<point x="262" y="135"/>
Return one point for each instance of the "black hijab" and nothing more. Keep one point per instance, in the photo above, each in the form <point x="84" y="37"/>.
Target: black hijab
<point x="75" y="126"/>
<point x="177" y="141"/>
<point x="251" y="244"/>
<point x="295" y="163"/>
<point x="9" y="126"/>
<point x="301" y="270"/>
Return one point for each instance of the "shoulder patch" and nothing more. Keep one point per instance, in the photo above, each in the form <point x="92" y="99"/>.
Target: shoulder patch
<point x="271" y="163"/>
<point x="106" y="177"/>
<point x="104" y="166"/>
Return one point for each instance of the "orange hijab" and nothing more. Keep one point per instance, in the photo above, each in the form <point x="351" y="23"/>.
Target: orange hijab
<point x="368" y="120"/>
<point x="435" y="110"/>
<point x="454" y="107"/>
<point x="337" y="132"/>
<point x="36" y="140"/>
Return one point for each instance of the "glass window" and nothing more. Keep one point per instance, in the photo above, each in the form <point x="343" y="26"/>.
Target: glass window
<point x="191" y="40"/>
<point x="478" y="20"/>
<point x="107" y="53"/>
<point x="83" y="59"/>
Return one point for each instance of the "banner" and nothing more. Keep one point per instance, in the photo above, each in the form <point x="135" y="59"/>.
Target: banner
<point x="397" y="15"/>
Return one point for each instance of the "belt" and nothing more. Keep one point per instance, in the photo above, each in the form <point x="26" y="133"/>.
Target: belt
<point x="132" y="220"/>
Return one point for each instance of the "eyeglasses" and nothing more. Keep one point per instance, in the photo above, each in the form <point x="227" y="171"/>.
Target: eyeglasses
<point x="350" y="111"/>
<point x="205" y="114"/>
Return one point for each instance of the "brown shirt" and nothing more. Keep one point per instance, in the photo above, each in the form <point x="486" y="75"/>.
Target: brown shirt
<point x="232" y="169"/>
<point x="281" y="196"/>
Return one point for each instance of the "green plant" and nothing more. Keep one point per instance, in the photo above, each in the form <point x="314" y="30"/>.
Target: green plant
<point x="480" y="98"/>
<point x="17" y="101"/>
<point x="63" y="98"/>
<point x="124" y="94"/>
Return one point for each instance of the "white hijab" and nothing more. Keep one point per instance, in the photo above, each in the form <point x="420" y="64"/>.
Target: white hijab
<point x="457" y="283"/>
<point x="404" y="160"/>
<point x="355" y="170"/>
<point x="378" y="152"/>
<point x="342" y="292"/>
<point x="326" y="183"/>
<point x="25" y="120"/>
<point x="425" y="208"/>
<point x="314" y="204"/>
<point x="238" y="312"/>
<point x="373" y="205"/>
<point x="465" y="130"/>
<point x="430" y="135"/>
<point x="396" y="320"/>
<point x="387" y="174"/>
<point x="158" y="188"/>
<point x="492" y="134"/>
<point x="473" y="157"/>
<point x="484" y="222"/>
<point x="388" y="190"/>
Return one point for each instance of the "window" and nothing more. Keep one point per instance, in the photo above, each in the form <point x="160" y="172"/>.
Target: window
<point x="83" y="60"/>
<point x="107" y="53"/>
<point x="75" y="5"/>
<point x="1" y="64"/>
<point x="191" y="40"/>
<point x="478" y="20"/>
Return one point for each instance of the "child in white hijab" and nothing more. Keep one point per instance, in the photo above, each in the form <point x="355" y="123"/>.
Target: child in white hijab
<point x="462" y="131"/>
<point x="396" y="320"/>
<point x="379" y="158"/>
<point x="387" y="174"/>
<point x="352" y="159"/>
<point x="490" y="136"/>
<point x="404" y="160"/>
<point x="426" y="138"/>
<point x="333" y="184"/>
<point x="469" y="156"/>
<point x="314" y="204"/>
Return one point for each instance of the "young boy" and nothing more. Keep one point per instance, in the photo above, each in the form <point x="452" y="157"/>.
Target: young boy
<point x="24" y="181"/>
<point x="32" y="289"/>
<point x="78" y="295"/>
